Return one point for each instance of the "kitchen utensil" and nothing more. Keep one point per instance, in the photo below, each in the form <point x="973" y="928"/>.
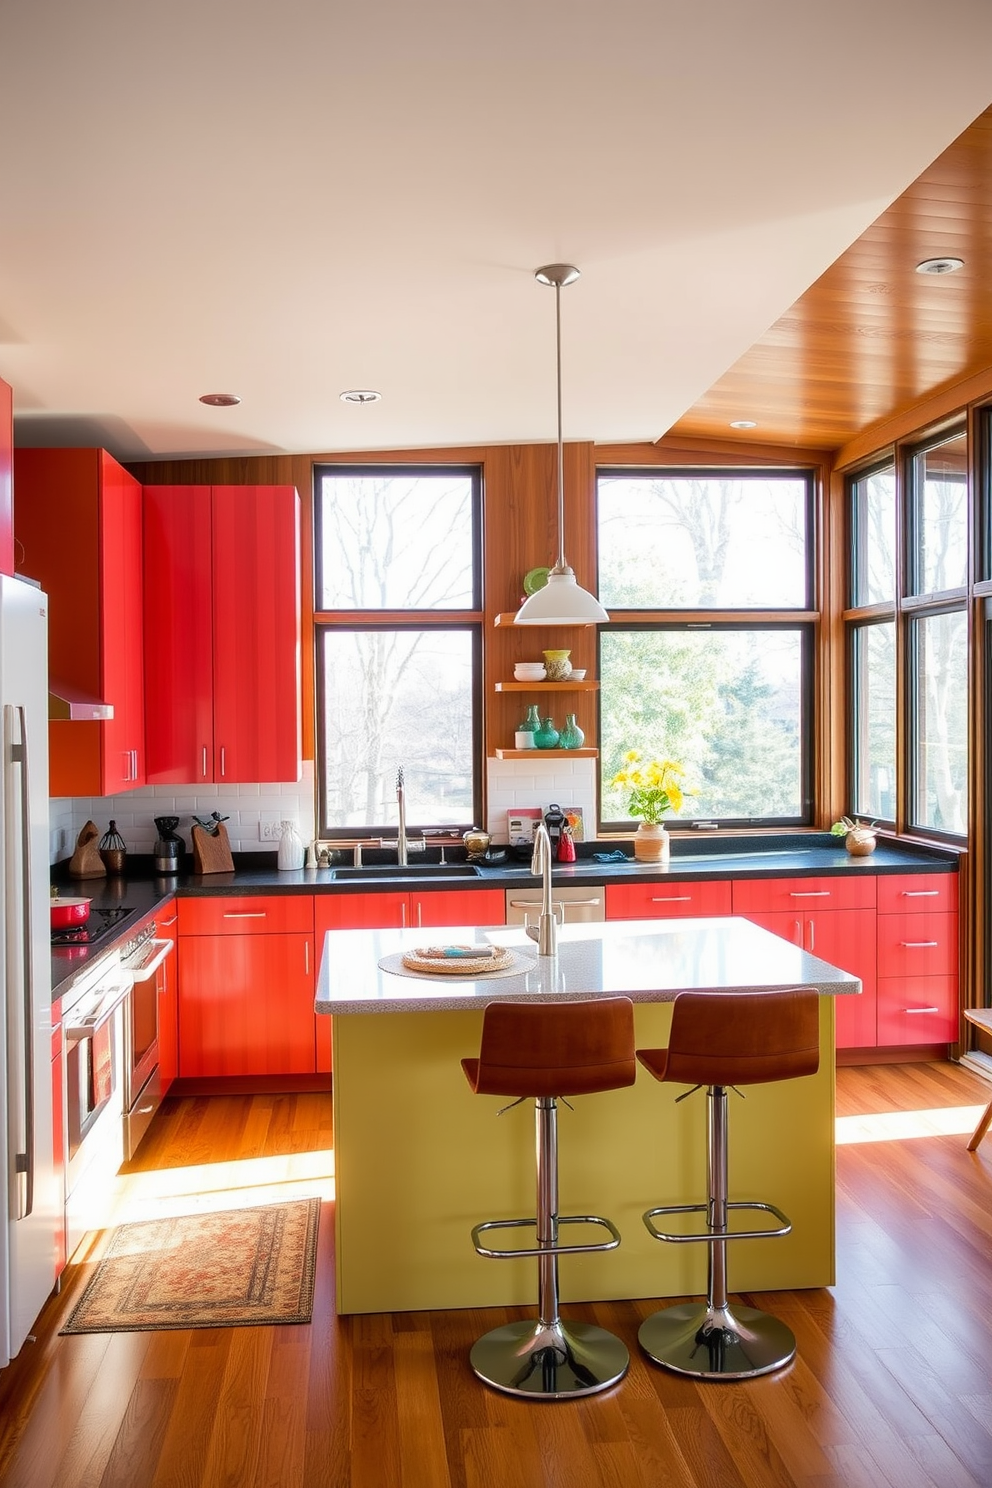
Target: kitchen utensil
<point x="113" y="849"/>
<point x="566" y="846"/>
<point x="476" y="843"/>
<point x="66" y="912"/>
<point x="169" y="846"/>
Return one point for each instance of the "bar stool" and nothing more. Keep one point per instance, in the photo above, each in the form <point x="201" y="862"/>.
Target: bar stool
<point x="544" y="1051"/>
<point x="721" y="1040"/>
<point x="980" y="1018"/>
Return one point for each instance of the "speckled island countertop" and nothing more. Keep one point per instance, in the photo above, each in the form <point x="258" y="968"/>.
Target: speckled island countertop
<point x="645" y="960"/>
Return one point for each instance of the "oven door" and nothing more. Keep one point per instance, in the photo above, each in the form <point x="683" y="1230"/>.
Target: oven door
<point x="143" y="1087"/>
<point x="92" y="1054"/>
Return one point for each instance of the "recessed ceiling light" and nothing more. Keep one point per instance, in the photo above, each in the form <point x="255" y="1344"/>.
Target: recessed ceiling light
<point x="743" y="424"/>
<point x="360" y="395"/>
<point x="220" y="400"/>
<point x="939" y="265"/>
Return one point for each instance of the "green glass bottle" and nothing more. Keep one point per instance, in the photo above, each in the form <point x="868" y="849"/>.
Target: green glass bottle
<point x="547" y="735"/>
<point x="532" y="722"/>
<point x="571" y="736"/>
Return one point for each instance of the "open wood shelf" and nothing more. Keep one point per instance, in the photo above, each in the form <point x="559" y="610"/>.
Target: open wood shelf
<point x="511" y="619"/>
<point x="565" y="686"/>
<point x="547" y="753"/>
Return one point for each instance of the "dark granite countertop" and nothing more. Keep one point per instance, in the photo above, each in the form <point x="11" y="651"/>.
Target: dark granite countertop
<point x="785" y="855"/>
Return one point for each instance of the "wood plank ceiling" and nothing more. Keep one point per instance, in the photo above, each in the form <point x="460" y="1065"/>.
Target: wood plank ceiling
<point x="872" y="337"/>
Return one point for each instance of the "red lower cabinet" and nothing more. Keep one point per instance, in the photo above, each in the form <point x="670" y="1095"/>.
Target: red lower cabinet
<point x="167" y="989"/>
<point x="246" y="987"/>
<point x="652" y="901"/>
<point x="398" y="911"/>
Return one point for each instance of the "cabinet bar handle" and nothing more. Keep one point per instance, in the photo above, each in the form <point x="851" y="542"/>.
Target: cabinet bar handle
<point x="812" y="934"/>
<point x="306" y="957"/>
<point x="918" y="945"/>
<point x="670" y="898"/>
<point x="203" y="772"/>
<point x="162" y="923"/>
<point x="810" y="894"/>
<point x="419" y="916"/>
<point x="910" y="1011"/>
<point x="919" y="893"/>
<point x="569" y="903"/>
<point x="246" y="914"/>
<point x="223" y="760"/>
<point x="403" y="914"/>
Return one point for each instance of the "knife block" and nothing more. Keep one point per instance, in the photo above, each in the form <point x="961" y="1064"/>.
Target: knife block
<point x="86" y="861"/>
<point x="212" y="851"/>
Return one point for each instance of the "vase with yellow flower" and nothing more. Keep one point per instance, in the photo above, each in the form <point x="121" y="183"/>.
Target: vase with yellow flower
<point x="654" y="789"/>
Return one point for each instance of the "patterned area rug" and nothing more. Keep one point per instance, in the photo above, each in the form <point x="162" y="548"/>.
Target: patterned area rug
<point x="227" y="1270"/>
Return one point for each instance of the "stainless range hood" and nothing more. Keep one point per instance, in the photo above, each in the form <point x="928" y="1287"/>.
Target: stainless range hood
<point x="65" y="702"/>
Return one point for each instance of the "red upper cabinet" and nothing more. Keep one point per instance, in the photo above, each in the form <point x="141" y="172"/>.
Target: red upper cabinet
<point x="6" y="478"/>
<point x="222" y="633"/>
<point x="78" y="519"/>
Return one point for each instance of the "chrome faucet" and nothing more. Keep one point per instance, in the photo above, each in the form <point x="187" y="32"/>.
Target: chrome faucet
<point x="545" y="932"/>
<point x="401" y="857"/>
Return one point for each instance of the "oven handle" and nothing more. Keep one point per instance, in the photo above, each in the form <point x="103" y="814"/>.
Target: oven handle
<point x="86" y="1027"/>
<point x="147" y="969"/>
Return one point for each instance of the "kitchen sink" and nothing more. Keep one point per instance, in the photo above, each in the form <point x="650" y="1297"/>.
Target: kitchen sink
<point x="412" y="870"/>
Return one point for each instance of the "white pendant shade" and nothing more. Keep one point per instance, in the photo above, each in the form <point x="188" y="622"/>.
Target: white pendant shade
<point x="561" y="602"/>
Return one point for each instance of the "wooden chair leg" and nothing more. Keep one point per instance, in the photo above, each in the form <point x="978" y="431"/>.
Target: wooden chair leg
<point x="981" y="1128"/>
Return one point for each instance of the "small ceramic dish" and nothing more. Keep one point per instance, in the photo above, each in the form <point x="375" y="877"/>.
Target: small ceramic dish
<point x="530" y="671"/>
<point x="577" y="674"/>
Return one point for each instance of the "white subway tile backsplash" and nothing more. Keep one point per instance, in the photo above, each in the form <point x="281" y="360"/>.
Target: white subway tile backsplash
<point x="135" y="811"/>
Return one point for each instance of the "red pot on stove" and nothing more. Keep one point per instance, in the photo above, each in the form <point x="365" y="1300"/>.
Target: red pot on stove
<point x="69" y="912"/>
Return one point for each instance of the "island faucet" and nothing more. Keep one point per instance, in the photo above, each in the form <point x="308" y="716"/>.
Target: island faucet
<point x="401" y="847"/>
<point x="545" y="932"/>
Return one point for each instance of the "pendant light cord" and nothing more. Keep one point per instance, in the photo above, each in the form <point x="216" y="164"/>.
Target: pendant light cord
<point x="561" y="566"/>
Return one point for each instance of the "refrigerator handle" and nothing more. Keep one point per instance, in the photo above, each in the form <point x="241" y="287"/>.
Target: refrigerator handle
<point x="24" y="1161"/>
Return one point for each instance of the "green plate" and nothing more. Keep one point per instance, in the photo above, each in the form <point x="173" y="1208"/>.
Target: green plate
<point x="535" y="579"/>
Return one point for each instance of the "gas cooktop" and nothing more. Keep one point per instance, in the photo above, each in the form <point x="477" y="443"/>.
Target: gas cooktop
<point x="100" y="924"/>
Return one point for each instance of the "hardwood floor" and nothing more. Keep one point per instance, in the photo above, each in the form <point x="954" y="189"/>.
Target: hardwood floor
<point x="892" y="1384"/>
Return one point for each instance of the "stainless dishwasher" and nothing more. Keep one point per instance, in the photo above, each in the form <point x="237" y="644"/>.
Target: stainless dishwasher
<point x="577" y="904"/>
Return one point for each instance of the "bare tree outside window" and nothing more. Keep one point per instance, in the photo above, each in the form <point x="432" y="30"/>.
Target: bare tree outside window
<point x="401" y="691"/>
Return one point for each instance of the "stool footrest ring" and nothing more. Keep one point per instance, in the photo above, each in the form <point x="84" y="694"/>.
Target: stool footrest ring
<point x="545" y="1250"/>
<point x="711" y="1237"/>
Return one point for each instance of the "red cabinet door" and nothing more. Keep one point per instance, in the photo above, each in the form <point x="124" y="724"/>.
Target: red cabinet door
<point x="78" y="519"/>
<point x="458" y="907"/>
<point x="667" y="901"/>
<point x="256" y="630"/>
<point x="179" y="704"/>
<point x="845" y="938"/>
<point x="246" y="1005"/>
<point x="121" y="605"/>
<point x="917" y="1010"/>
<point x="917" y="945"/>
<point x="359" y="912"/>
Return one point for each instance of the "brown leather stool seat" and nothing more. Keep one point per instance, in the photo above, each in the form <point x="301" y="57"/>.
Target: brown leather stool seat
<point x="723" y="1040"/>
<point x="543" y="1051"/>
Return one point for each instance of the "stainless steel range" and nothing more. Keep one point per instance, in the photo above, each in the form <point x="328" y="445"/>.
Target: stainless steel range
<point x="142" y="956"/>
<point x="101" y="924"/>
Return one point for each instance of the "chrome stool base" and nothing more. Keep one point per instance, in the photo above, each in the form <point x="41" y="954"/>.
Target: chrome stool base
<point x="717" y="1343"/>
<point x="549" y="1361"/>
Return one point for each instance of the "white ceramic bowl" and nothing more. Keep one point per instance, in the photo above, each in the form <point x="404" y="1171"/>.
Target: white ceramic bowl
<point x="529" y="671"/>
<point x="577" y="674"/>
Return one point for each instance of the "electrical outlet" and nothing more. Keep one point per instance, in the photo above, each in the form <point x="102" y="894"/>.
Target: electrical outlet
<point x="269" y="831"/>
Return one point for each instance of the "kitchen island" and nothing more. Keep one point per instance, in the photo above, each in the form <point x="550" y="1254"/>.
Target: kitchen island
<point x="419" y="1159"/>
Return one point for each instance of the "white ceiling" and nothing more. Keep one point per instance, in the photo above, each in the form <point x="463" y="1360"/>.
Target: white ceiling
<point x="288" y="200"/>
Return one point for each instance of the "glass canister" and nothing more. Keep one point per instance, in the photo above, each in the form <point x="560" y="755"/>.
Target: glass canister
<point x="571" y="736"/>
<point x="547" y="735"/>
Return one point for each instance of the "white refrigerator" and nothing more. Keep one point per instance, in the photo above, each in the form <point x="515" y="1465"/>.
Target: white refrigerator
<point x="30" y="1209"/>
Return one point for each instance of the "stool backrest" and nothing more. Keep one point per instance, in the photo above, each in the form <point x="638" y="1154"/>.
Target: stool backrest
<point x="743" y="1038"/>
<point x="549" y="1049"/>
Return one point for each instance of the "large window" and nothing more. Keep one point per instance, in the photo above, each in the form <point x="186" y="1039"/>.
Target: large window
<point x="713" y="668"/>
<point x="908" y="638"/>
<point x="397" y="638"/>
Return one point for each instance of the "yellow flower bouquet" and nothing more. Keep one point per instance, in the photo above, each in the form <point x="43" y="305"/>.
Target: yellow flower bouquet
<point x="654" y="787"/>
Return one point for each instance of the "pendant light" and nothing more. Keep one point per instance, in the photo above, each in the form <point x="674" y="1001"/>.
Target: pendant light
<point x="561" y="601"/>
